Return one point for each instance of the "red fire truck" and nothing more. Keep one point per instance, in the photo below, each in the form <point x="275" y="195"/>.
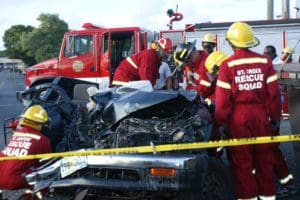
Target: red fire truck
<point x="94" y="53"/>
<point x="91" y="54"/>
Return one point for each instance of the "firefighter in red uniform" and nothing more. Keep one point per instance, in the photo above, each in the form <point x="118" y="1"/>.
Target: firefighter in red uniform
<point x="194" y="61"/>
<point x="191" y="73"/>
<point x="209" y="74"/>
<point x="281" y="169"/>
<point x="143" y="65"/>
<point x="208" y="80"/>
<point x="208" y="44"/>
<point x="27" y="139"/>
<point x="247" y="100"/>
<point x="187" y="59"/>
<point x="287" y="57"/>
<point x="282" y="172"/>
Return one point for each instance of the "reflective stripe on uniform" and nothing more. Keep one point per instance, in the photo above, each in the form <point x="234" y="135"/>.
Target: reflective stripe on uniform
<point x="253" y="198"/>
<point x="223" y="84"/>
<point x="196" y="76"/>
<point x="30" y="135"/>
<point x="247" y="61"/>
<point x="267" y="197"/>
<point x="163" y="43"/>
<point x="205" y="83"/>
<point x="119" y="83"/>
<point x="182" y="53"/>
<point x="272" y="78"/>
<point x="286" y="179"/>
<point x="131" y="62"/>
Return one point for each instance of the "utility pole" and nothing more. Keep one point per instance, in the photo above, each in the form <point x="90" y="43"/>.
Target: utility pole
<point x="297" y="11"/>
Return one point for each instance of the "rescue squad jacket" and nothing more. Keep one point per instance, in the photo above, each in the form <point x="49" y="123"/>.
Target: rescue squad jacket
<point x="143" y="65"/>
<point x="198" y="58"/>
<point x="23" y="142"/>
<point x="206" y="84"/>
<point x="247" y="78"/>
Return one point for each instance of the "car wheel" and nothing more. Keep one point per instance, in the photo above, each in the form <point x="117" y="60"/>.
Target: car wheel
<point x="211" y="182"/>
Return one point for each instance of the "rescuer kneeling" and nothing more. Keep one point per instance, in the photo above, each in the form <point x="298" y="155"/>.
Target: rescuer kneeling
<point x="27" y="139"/>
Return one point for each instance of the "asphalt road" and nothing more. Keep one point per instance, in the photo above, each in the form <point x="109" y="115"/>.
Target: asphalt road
<point x="10" y="108"/>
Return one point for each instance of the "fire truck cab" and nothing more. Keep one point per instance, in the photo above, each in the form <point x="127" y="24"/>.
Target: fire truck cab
<point x="91" y="54"/>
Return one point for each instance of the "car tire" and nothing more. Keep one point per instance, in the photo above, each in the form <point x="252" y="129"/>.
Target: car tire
<point x="213" y="181"/>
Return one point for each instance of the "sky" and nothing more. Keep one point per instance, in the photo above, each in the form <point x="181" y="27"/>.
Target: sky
<point x="150" y="14"/>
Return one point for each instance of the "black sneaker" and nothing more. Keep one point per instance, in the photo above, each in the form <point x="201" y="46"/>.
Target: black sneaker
<point x="285" y="190"/>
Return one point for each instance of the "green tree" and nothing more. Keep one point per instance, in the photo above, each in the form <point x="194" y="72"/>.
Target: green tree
<point x="44" y="42"/>
<point x="11" y="41"/>
<point x="3" y="53"/>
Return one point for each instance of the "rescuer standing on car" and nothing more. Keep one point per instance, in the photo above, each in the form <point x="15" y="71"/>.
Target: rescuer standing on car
<point x="248" y="101"/>
<point x="143" y="65"/>
<point x="27" y="139"/>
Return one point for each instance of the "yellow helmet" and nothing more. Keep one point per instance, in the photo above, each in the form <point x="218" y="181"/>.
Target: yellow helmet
<point x="214" y="60"/>
<point x="241" y="35"/>
<point x="154" y="45"/>
<point x="34" y="117"/>
<point x="288" y="50"/>
<point x="209" y="38"/>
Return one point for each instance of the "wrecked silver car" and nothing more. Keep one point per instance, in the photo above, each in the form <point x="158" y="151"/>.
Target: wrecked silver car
<point x="126" y="117"/>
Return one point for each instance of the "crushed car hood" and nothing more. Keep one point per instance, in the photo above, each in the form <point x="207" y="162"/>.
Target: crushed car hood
<point x="147" y="104"/>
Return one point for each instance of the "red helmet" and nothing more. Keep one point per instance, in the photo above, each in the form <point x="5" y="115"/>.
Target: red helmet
<point x="165" y="44"/>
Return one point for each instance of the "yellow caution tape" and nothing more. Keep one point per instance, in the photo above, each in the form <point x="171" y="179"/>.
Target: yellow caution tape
<point x="164" y="148"/>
